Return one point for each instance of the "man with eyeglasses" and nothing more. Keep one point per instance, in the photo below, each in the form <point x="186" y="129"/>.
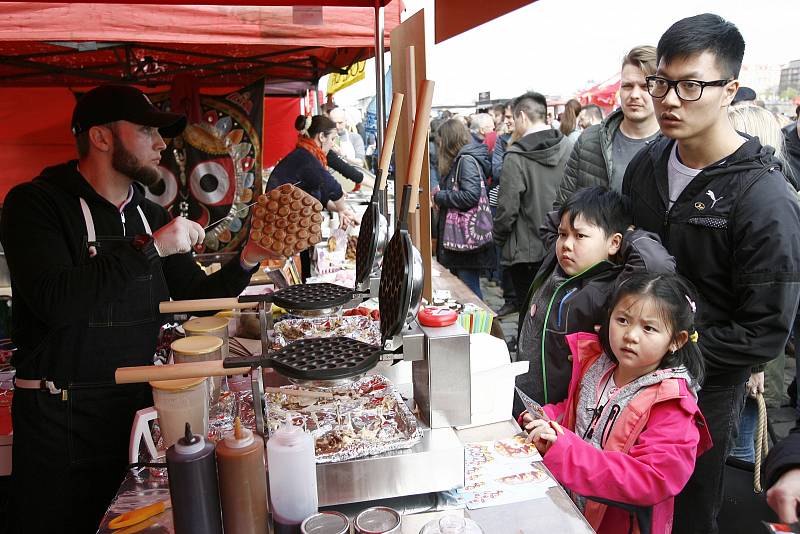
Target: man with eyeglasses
<point x="726" y="212"/>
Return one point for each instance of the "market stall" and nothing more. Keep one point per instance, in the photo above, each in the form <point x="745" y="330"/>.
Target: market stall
<point x="394" y="409"/>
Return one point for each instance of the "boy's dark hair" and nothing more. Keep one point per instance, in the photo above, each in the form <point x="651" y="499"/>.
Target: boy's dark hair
<point x="672" y="294"/>
<point x="532" y="104"/>
<point x="701" y="33"/>
<point x="601" y="207"/>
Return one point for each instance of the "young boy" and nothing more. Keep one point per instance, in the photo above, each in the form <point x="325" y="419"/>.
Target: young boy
<point x="590" y="251"/>
<point x="724" y="209"/>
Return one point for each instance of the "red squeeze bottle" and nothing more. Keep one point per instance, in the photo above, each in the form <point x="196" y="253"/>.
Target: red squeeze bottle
<point x="242" y="481"/>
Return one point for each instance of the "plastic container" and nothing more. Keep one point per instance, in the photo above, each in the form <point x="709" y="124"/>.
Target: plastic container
<point x="292" y="477"/>
<point x="178" y="402"/>
<point x="242" y="481"/>
<point x="451" y="524"/>
<point x="193" y="485"/>
<point x="200" y="348"/>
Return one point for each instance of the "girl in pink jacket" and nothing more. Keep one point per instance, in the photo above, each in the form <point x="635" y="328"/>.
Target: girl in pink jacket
<point x="630" y="427"/>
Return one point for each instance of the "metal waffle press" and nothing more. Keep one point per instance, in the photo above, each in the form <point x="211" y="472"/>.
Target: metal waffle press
<point x="402" y="273"/>
<point x="372" y="233"/>
<point x="312" y="296"/>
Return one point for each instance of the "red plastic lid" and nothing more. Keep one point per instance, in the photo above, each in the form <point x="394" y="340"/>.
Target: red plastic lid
<point x="435" y="316"/>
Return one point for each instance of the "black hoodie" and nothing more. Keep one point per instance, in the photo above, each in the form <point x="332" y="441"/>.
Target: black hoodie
<point x="735" y="234"/>
<point x="65" y="302"/>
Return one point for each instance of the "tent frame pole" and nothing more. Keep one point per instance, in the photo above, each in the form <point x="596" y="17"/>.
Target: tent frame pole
<point x="380" y="88"/>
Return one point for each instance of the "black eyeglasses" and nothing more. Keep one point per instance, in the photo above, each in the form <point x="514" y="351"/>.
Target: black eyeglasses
<point x="687" y="90"/>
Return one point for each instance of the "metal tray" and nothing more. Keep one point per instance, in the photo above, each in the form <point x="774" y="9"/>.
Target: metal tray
<point x="358" y="327"/>
<point x="365" y="418"/>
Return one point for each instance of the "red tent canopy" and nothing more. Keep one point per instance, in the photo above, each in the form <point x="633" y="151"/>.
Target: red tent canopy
<point x="49" y="44"/>
<point x="604" y="94"/>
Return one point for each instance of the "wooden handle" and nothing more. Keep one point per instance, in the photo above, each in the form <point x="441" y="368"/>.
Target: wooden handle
<point x="388" y="139"/>
<point x="422" y="121"/>
<point x="182" y="306"/>
<point x="149" y="373"/>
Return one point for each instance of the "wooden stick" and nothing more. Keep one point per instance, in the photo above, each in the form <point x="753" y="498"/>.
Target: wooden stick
<point x="182" y="306"/>
<point x="300" y="392"/>
<point x="422" y="121"/>
<point x="388" y="139"/>
<point x="150" y="373"/>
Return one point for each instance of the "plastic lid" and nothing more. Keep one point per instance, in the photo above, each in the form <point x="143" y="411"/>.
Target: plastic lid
<point x="434" y="316"/>
<point x="178" y="384"/>
<point x="190" y="443"/>
<point x="205" y="324"/>
<point x="196" y="345"/>
<point x="289" y="434"/>
<point x="239" y="437"/>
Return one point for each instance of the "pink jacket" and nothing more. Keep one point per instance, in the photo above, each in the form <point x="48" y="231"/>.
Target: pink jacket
<point x="648" y="457"/>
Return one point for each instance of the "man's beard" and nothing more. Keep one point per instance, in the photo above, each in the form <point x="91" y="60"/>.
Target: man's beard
<point x="126" y="163"/>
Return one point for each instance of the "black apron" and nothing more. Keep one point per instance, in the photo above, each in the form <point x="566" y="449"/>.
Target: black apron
<point x="71" y="448"/>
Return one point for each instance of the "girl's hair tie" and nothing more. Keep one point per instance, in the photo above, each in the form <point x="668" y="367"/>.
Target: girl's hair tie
<point x="691" y="304"/>
<point x="694" y="336"/>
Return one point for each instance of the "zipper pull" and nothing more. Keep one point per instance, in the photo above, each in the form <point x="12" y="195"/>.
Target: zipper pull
<point x="122" y="216"/>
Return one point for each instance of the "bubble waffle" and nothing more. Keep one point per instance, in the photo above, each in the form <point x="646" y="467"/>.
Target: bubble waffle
<point x="287" y="220"/>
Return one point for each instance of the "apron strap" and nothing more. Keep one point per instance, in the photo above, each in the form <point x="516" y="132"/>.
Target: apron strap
<point x="89" y="222"/>
<point x="147" y="229"/>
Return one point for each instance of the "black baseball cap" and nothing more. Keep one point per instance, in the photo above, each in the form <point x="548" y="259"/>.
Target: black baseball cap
<point x="110" y="103"/>
<point x="744" y="94"/>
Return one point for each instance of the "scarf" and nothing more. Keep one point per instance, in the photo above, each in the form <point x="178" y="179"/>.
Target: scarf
<point x="309" y="144"/>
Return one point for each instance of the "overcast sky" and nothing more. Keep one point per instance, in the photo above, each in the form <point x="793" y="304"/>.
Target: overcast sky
<point x="557" y="47"/>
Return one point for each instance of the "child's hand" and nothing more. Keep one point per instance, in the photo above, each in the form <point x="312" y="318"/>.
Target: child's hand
<point x="526" y="418"/>
<point x="543" y="434"/>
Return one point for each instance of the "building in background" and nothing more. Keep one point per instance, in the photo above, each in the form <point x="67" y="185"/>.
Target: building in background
<point x="789" y="86"/>
<point x="762" y="78"/>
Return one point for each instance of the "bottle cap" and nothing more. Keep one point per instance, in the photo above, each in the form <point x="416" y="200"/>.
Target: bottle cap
<point x="239" y="437"/>
<point x="190" y="443"/>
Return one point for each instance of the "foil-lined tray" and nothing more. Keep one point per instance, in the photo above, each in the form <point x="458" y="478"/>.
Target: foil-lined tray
<point x="357" y="327"/>
<point x="364" y="418"/>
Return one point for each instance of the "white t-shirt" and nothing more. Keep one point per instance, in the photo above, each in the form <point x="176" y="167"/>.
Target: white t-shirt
<point x="678" y="175"/>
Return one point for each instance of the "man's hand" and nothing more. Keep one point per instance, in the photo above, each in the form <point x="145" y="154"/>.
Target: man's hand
<point x="254" y="254"/>
<point x="755" y="384"/>
<point x="784" y="496"/>
<point x="178" y="236"/>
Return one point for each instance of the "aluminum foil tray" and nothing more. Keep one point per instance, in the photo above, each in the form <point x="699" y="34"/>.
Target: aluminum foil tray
<point x="360" y="328"/>
<point x="365" y="418"/>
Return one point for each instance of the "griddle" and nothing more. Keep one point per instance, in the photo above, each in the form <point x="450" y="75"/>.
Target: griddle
<point x="329" y="358"/>
<point x="369" y="232"/>
<point x="394" y="294"/>
<point x="312" y="296"/>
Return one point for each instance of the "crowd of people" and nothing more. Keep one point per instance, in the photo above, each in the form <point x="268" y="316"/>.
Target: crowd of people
<point x="653" y="256"/>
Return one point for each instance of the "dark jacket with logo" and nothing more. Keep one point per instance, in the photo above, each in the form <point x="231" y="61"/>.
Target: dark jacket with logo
<point x="735" y="234"/>
<point x="471" y="162"/>
<point x="591" y="161"/>
<point x="76" y="318"/>
<point x="532" y="169"/>
<point x="579" y="303"/>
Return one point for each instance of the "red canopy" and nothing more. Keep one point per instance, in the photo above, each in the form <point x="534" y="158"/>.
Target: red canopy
<point x="62" y="44"/>
<point x="604" y="94"/>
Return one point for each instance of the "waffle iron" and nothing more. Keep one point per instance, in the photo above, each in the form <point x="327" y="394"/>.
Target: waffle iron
<point x="373" y="231"/>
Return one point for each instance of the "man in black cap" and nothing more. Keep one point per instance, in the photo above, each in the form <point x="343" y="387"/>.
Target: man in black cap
<point x="90" y="259"/>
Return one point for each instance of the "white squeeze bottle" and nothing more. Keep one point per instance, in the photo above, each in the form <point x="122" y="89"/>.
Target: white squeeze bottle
<point x="292" y="477"/>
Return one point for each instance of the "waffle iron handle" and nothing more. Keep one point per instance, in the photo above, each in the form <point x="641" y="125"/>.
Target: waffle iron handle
<point x="149" y="373"/>
<point x="402" y="222"/>
<point x="184" y="306"/>
<point x="419" y="140"/>
<point x="388" y="144"/>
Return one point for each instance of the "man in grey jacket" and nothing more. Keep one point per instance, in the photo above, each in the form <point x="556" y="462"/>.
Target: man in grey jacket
<point x="532" y="170"/>
<point x="602" y="152"/>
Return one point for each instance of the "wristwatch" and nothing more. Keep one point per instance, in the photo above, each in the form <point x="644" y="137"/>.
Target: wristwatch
<point x="145" y="244"/>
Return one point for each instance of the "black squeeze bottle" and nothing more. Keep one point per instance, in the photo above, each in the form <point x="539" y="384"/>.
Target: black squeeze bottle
<point x="193" y="485"/>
